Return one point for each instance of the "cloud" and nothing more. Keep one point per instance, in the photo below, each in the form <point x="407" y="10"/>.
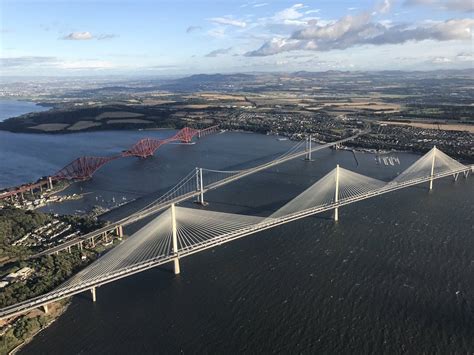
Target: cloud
<point x="193" y="29"/>
<point x="450" y="5"/>
<point x="85" y="65"/>
<point x="228" y="21"/>
<point x="27" y="61"/>
<point x="384" y="7"/>
<point x="289" y="15"/>
<point x="106" y="36"/>
<point x="441" y="60"/>
<point x="85" y="36"/>
<point x="350" y="31"/>
<point x="38" y="62"/>
<point x="78" y="36"/>
<point x="465" y="57"/>
<point x="218" y="32"/>
<point x="218" y="52"/>
<point x="261" y="4"/>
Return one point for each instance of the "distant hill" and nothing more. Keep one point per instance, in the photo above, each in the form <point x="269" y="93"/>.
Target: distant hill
<point x="203" y="82"/>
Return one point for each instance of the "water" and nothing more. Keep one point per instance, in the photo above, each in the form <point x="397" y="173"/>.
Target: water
<point x="13" y="108"/>
<point x="394" y="275"/>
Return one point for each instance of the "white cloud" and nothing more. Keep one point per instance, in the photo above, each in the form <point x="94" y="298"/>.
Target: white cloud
<point x="228" y="21"/>
<point x="289" y="14"/>
<point x="441" y="60"/>
<point x="450" y="5"/>
<point x="218" y="52"/>
<point x="261" y="4"/>
<point x="78" y="36"/>
<point x="385" y="6"/>
<point x="218" y="32"/>
<point x="350" y="31"/>
<point x="85" y="36"/>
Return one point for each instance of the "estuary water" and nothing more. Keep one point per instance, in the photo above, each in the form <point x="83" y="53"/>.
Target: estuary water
<point x="12" y="108"/>
<point x="394" y="275"/>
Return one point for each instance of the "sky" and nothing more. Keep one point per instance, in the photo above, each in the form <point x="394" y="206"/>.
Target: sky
<point x="145" y="37"/>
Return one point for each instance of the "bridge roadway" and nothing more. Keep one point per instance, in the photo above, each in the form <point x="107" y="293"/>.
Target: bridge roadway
<point x="161" y="206"/>
<point x="224" y="238"/>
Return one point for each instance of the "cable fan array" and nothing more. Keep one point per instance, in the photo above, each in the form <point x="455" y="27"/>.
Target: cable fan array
<point x="197" y="229"/>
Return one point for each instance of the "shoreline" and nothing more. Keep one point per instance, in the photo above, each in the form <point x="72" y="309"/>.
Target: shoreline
<point x="62" y="308"/>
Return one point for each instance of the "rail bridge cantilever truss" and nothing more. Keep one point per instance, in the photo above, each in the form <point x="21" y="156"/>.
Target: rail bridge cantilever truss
<point x="84" y="167"/>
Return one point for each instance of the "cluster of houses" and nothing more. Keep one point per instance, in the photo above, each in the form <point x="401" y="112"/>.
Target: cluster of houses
<point x="19" y="275"/>
<point x="48" y="235"/>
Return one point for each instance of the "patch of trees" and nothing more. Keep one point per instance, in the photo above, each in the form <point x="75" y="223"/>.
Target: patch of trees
<point x="15" y="223"/>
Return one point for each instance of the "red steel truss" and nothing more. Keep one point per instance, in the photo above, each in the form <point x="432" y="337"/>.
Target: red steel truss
<point x="84" y="167"/>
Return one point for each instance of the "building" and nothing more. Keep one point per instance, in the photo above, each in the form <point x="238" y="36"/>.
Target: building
<point x="21" y="274"/>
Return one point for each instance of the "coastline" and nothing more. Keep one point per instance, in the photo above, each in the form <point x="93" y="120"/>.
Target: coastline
<point x="59" y="309"/>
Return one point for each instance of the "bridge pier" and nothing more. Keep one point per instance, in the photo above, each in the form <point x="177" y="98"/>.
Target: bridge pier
<point x="308" y="148"/>
<point x="119" y="231"/>
<point x="466" y="174"/>
<point x="92" y="242"/>
<point x="177" y="269"/>
<point x="336" y="195"/>
<point x="45" y="308"/>
<point x="50" y="183"/>
<point x="455" y="176"/>
<point x="94" y="297"/>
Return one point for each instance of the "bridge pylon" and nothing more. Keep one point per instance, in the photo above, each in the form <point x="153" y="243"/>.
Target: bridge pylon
<point x="432" y="167"/>
<point x="200" y="187"/>
<point x="174" y="230"/>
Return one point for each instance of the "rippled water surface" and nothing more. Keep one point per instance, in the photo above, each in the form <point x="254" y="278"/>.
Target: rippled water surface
<point x="394" y="275"/>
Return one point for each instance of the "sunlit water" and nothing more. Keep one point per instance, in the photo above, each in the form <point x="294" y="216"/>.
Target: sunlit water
<point x="12" y="108"/>
<point x="394" y="275"/>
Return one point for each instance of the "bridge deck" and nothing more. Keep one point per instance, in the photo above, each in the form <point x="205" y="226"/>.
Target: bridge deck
<point x="162" y="206"/>
<point x="221" y="239"/>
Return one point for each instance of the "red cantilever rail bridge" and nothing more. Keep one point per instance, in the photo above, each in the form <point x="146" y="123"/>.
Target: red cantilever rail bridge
<point x="84" y="167"/>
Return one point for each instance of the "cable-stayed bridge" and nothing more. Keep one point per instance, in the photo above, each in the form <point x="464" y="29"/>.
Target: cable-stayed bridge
<point x="194" y="185"/>
<point x="179" y="232"/>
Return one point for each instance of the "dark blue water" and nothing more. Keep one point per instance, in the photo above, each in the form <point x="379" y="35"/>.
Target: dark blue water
<point x="394" y="275"/>
<point x="13" y="108"/>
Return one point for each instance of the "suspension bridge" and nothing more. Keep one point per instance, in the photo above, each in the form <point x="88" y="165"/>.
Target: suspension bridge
<point x="179" y="232"/>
